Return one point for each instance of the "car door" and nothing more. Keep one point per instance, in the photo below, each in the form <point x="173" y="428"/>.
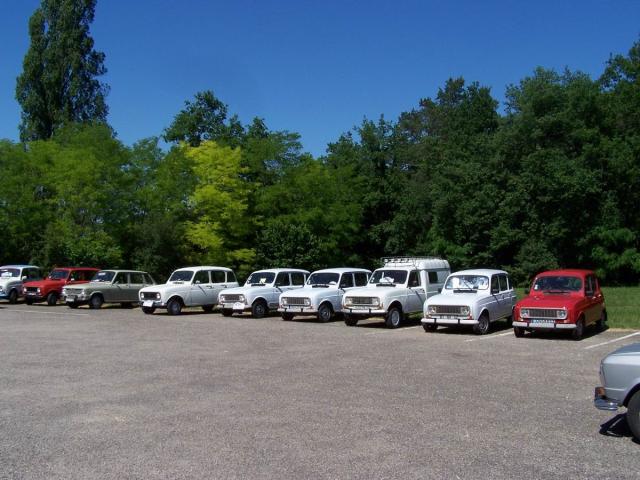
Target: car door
<point x="504" y="304"/>
<point x="494" y="305"/>
<point x="200" y="286"/>
<point x="416" y="292"/>
<point x="218" y="283"/>
<point x="117" y="291"/>
<point x="593" y="297"/>
<point x="509" y="297"/>
<point x="281" y="284"/>
<point x="347" y="282"/>
<point x="136" y="282"/>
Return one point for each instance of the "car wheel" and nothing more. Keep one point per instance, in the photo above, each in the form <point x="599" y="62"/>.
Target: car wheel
<point x="174" y="307"/>
<point x="633" y="415"/>
<point x="601" y="324"/>
<point x="350" y="320"/>
<point x="227" y="312"/>
<point x="393" y="318"/>
<point x="259" y="309"/>
<point x="207" y="308"/>
<point x="518" y="332"/>
<point x="13" y="296"/>
<point x="148" y="310"/>
<point x="96" y="302"/>
<point x="324" y="313"/>
<point x="126" y="305"/>
<point x="73" y="305"/>
<point x="578" y="332"/>
<point x="287" y="317"/>
<point x="28" y="301"/>
<point x="482" y="327"/>
<point x="430" y="327"/>
<point x="52" y="299"/>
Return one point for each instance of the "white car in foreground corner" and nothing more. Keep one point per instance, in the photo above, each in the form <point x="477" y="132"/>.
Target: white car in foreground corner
<point x="188" y="287"/>
<point x="322" y="295"/>
<point x="261" y="291"/>
<point x="471" y="297"/>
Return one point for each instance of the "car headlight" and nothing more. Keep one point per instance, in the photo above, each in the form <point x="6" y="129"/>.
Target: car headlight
<point x="37" y="290"/>
<point x="375" y="302"/>
<point x="158" y="296"/>
<point x="83" y="292"/>
<point x="347" y="301"/>
<point x="431" y="309"/>
<point x="465" y="310"/>
<point x="524" y="313"/>
<point x="307" y="302"/>
<point x="141" y="295"/>
<point x="241" y="298"/>
<point x="1" y="289"/>
<point x="562" y="314"/>
<point x="285" y="301"/>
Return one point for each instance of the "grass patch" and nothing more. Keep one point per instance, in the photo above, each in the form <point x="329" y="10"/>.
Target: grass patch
<point x="623" y="306"/>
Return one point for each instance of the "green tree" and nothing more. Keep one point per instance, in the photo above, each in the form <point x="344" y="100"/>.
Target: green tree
<point x="59" y="81"/>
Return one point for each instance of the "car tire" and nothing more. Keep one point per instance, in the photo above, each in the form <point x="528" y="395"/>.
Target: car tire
<point x="518" y="332"/>
<point x="28" y="301"/>
<point x="227" y="312"/>
<point x="207" y="308"/>
<point x="633" y="415"/>
<point x="601" y="324"/>
<point x="350" y="320"/>
<point x="13" y="296"/>
<point x="52" y="299"/>
<point x="578" y="332"/>
<point x="148" y="310"/>
<point x="73" y="305"/>
<point x="259" y="309"/>
<point x="393" y="319"/>
<point x="430" y="327"/>
<point x="96" y="302"/>
<point x="174" y="307"/>
<point x="483" y="326"/>
<point x="287" y="317"/>
<point x="325" y="313"/>
<point x="126" y="305"/>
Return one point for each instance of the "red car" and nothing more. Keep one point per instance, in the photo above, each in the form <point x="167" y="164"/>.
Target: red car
<point x="50" y="288"/>
<point x="568" y="300"/>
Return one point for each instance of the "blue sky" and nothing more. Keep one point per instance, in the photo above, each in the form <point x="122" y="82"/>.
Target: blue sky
<point x="319" y="67"/>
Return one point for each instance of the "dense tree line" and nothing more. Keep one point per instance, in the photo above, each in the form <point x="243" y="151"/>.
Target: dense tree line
<point x="553" y="180"/>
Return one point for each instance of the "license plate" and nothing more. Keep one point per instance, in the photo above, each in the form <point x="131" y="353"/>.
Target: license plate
<point x="147" y="303"/>
<point x="541" y="322"/>
<point x="238" y="306"/>
<point x="71" y="299"/>
<point x="359" y="307"/>
<point x="30" y="294"/>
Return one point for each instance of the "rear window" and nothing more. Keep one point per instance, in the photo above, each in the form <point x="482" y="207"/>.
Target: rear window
<point x="218" y="276"/>
<point x="297" y="278"/>
<point x="361" y="279"/>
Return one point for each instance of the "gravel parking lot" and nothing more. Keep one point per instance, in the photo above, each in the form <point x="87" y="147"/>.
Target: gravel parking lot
<point x="118" y="394"/>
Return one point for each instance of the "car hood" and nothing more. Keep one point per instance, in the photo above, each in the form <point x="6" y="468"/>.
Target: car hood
<point x="310" y="292"/>
<point x="45" y="283"/>
<point x="548" y="301"/>
<point x="167" y="287"/>
<point x="455" y="299"/>
<point x="89" y="285"/>
<point x="374" y="291"/>
<point x="629" y="350"/>
<point x="249" y="290"/>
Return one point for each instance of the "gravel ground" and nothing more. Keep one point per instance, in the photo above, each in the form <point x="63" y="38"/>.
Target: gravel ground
<point x="118" y="394"/>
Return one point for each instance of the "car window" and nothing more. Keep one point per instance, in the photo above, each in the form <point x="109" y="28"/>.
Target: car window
<point x="282" y="280"/>
<point x="201" y="277"/>
<point x="495" y="285"/>
<point x="121" y="279"/>
<point x="589" y="289"/>
<point x="361" y="279"/>
<point x="218" y="276"/>
<point x="148" y="279"/>
<point x="502" y="280"/>
<point x="137" y="278"/>
<point x="231" y="277"/>
<point x="297" y="278"/>
<point x="346" y="281"/>
<point x="32" y="274"/>
<point x="414" y="279"/>
<point x="433" y="277"/>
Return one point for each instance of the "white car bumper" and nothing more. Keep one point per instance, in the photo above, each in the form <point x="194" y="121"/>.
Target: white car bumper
<point x="449" y="321"/>
<point x="235" y="306"/>
<point x="363" y="310"/>
<point x="299" y="309"/>
<point x="546" y="326"/>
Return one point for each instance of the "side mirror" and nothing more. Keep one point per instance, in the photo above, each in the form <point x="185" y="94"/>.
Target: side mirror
<point x="494" y="291"/>
<point x="440" y="290"/>
<point x="526" y="291"/>
<point x="197" y="282"/>
<point x="24" y="278"/>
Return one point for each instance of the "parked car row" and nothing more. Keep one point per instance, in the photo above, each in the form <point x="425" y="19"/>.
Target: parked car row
<point x="561" y="300"/>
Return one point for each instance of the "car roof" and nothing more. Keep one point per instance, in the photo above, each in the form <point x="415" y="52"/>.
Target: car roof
<point x="202" y="267"/>
<point x="278" y="270"/>
<point x="579" y="272"/>
<point x="342" y="270"/>
<point x="19" y="266"/>
<point x="75" y="268"/>
<point x="117" y="270"/>
<point x="479" y="271"/>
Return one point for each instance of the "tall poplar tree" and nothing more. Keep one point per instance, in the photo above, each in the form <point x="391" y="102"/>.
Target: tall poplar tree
<point x="59" y="81"/>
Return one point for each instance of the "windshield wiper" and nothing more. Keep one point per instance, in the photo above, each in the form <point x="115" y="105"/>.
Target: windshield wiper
<point x="556" y="290"/>
<point x="258" y="284"/>
<point x="320" y="285"/>
<point x="456" y="290"/>
<point x="385" y="284"/>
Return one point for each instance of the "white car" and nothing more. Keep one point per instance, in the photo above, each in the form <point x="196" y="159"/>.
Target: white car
<point x="188" y="287"/>
<point x="322" y="294"/>
<point x="261" y="291"/>
<point x="396" y="290"/>
<point x="471" y="297"/>
<point x="12" y="279"/>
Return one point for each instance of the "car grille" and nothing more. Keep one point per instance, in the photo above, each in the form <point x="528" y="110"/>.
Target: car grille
<point x="361" y="300"/>
<point x="72" y="291"/>
<point x="448" y="309"/>
<point x="543" y="312"/>
<point x="32" y="289"/>
<point x="149" y="295"/>
<point x="293" y="300"/>
<point x="233" y="297"/>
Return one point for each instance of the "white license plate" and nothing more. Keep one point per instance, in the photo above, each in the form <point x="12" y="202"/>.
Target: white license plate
<point x="539" y="322"/>
<point x="147" y="303"/>
<point x="71" y="299"/>
<point x="360" y="307"/>
<point x="238" y="306"/>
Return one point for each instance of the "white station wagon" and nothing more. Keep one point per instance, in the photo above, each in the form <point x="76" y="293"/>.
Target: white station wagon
<point x="322" y="295"/>
<point x="261" y="291"/>
<point x="471" y="297"/>
<point x="188" y="287"/>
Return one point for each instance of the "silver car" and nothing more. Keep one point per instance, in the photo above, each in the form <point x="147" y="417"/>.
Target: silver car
<point x="620" y="378"/>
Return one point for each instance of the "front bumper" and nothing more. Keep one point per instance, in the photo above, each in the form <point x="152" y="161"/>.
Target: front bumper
<point x="35" y="297"/>
<point x="450" y="320"/>
<point x="364" y="311"/>
<point x="602" y="402"/>
<point x="545" y="326"/>
<point x="299" y="309"/>
<point x="152" y="303"/>
<point x="236" y="306"/>
<point x="76" y="298"/>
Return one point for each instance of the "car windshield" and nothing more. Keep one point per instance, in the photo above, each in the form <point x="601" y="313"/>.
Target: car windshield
<point x="324" y="278"/>
<point x="181" y="276"/>
<point x="388" y="277"/>
<point x="9" y="272"/>
<point x="260" y="278"/>
<point x="58" y="275"/>
<point x="557" y="283"/>
<point x="467" y="282"/>
<point x="104" y="276"/>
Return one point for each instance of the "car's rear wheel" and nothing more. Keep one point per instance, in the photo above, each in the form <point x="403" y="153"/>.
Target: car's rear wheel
<point x="430" y="327"/>
<point x="174" y="307"/>
<point x="148" y="310"/>
<point x="482" y="327"/>
<point x="518" y="332"/>
<point x="578" y="332"/>
<point x="633" y="415"/>
<point x="324" y="313"/>
<point x="207" y="308"/>
<point x="350" y="320"/>
<point x="227" y="312"/>
<point x="52" y="299"/>
<point x="601" y="324"/>
<point x="13" y="296"/>
<point x="393" y="318"/>
<point x="96" y="302"/>
<point x="259" y="309"/>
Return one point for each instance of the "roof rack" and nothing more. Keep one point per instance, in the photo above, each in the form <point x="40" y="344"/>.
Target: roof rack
<point x="407" y="260"/>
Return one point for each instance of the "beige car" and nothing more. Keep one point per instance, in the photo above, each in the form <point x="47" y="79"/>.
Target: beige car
<point x="108" y="286"/>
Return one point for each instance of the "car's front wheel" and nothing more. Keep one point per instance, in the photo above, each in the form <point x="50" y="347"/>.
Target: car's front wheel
<point x="482" y="327"/>
<point x="13" y="296"/>
<point x="52" y="299"/>
<point x="633" y="415"/>
<point x="174" y="307"/>
<point x="324" y="313"/>
<point x="518" y="332"/>
<point x="259" y="309"/>
<point x="578" y="332"/>
<point x="393" y="318"/>
<point x="96" y="302"/>
<point x="148" y="310"/>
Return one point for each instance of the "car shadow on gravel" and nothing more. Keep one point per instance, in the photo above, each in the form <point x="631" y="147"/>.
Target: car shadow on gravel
<point x="564" y="336"/>
<point x="617" y="427"/>
<point x="379" y="323"/>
